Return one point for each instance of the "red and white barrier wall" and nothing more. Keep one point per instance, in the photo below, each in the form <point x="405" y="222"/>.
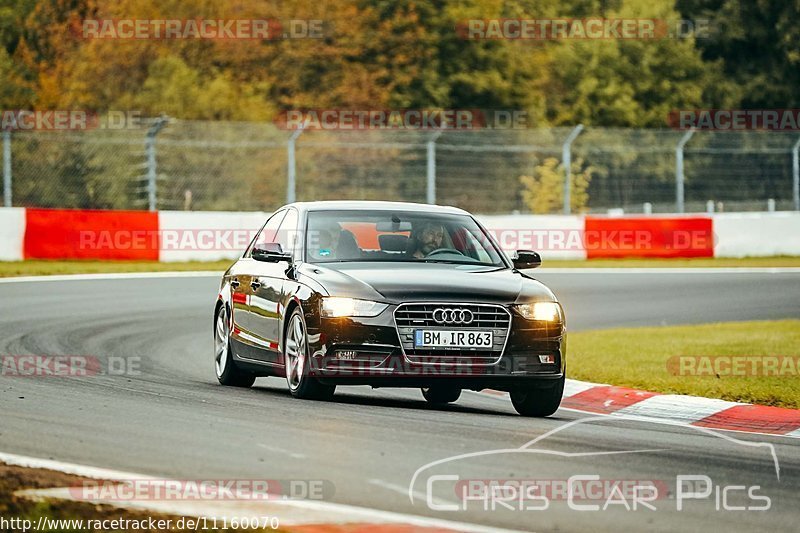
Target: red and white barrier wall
<point x="756" y="234"/>
<point x="12" y="233"/>
<point x="88" y="234"/>
<point x="205" y="236"/>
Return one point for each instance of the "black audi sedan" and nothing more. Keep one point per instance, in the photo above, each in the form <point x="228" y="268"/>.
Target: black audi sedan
<point x="389" y="294"/>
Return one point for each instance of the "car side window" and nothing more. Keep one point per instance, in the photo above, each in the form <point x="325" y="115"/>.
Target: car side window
<point x="287" y="232"/>
<point x="269" y="232"/>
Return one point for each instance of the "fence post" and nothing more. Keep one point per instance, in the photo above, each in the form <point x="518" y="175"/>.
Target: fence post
<point x="291" y="168"/>
<point x="7" y="168"/>
<point x="430" y="192"/>
<point x="566" y="162"/>
<point x="796" y="175"/>
<point x="679" y="197"/>
<point x="150" y="149"/>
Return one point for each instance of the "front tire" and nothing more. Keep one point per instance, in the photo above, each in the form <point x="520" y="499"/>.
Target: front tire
<point x="441" y="395"/>
<point x="538" y="402"/>
<point x="224" y="365"/>
<point x="296" y="361"/>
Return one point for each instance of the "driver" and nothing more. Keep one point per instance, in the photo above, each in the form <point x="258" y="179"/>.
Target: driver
<point x="428" y="239"/>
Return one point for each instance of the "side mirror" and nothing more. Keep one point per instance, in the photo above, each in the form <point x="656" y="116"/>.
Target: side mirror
<point x="524" y="259"/>
<point x="270" y="252"/>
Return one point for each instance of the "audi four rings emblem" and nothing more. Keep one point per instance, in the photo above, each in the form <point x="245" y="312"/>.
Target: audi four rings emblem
<point x="453" y="316"/>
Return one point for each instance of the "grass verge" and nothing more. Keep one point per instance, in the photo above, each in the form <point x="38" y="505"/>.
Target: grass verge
<point x="648" y="358"/>
<point x="45" y="268"/>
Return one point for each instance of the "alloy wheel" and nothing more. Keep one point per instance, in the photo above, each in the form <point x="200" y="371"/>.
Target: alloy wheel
<point x="221" y="340"/>
<point x="295" y="352"/>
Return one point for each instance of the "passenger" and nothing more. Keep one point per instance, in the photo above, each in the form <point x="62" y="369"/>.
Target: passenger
<point x="328" y="241"/>
<point x="323" y="240"/>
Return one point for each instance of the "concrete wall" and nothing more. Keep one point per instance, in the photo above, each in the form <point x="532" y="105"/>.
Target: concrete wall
<point x="206" y="236"/>
<point x="12" y="233"/>
<point x="756" y="234"/>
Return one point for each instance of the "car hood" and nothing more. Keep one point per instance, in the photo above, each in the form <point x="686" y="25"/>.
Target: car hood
<point x="393" y="282"/>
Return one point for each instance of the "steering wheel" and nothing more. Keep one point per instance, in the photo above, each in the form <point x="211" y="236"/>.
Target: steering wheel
<point x="443" y="251"/>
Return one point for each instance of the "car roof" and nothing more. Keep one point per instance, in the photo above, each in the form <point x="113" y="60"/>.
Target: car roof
<point x="342" y="205"/>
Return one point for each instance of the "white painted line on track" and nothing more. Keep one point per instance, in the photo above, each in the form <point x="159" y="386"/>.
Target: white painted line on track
<point x="404" y="491"/>
<point x="302" y="511"/>
<point x="115" y="275"/>
<point x="275" y="449"/>
<point x="573" y="387"/>
<point x="670" y="270"/>
<point x="576" y="270"/>
<point x="68" y="468"/>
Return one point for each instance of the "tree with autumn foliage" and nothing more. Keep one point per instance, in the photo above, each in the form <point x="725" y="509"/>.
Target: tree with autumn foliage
<point x="399" y="54"/>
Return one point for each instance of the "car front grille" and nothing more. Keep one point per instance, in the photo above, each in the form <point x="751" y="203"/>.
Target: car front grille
<point x="486" y="317"/>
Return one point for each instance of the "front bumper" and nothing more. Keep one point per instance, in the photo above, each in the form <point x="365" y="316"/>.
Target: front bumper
<point x="368" y="351"/>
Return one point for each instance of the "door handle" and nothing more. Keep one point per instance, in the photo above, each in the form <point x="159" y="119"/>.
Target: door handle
<point x="235" y="283"/>
<point x="255" y="285"/>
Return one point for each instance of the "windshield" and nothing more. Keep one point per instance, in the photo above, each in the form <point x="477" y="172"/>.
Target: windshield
<point x="397" y="236"/>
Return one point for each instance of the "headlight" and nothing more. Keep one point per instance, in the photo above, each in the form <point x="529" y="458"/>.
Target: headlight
<point x="336" y="307"/>
<point x="549" y="311"/>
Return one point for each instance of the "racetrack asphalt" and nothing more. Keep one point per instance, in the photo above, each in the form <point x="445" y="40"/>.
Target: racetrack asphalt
<point x="170" y="418"/>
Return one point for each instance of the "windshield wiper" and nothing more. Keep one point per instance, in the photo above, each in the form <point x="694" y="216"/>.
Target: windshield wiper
<point x="453" y="262"/>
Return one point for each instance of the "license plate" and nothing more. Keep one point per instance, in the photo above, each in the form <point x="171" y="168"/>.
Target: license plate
<point x="438" y="338"/>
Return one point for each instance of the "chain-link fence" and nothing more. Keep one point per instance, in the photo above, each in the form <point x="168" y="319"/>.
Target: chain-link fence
<point x="258" y="166"/>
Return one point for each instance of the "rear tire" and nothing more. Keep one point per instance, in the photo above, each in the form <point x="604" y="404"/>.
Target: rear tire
<point x="296" y="364"/>
<point x="441" y="395"/>
<point x="538" y="402"/>
<point x="226" y="370"/>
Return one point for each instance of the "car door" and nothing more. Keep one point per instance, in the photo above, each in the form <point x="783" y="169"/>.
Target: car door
<point x="266" y="284"/>
<point x="243" y="292"/>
